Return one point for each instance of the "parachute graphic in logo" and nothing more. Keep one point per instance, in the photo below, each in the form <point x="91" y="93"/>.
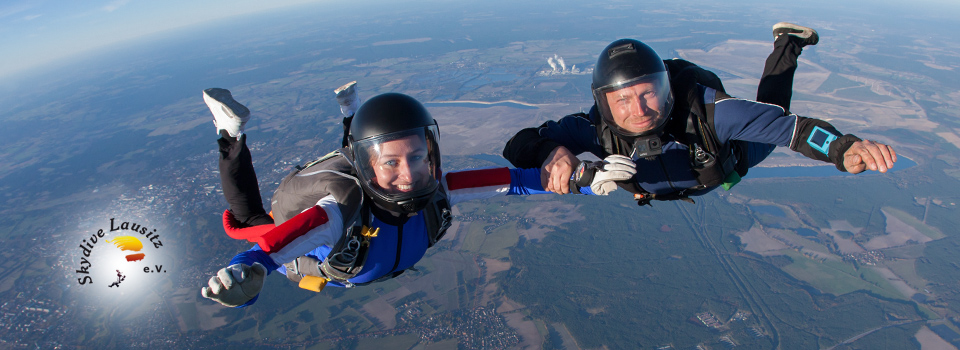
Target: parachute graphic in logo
<point x="129" y="243"/>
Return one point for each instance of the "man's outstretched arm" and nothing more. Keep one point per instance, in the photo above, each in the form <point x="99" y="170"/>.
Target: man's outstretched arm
<point x="818" y="139"/>
<point x="814" y="138"/>
<point x="553" y="147"/>
<point x="528" y="149"/>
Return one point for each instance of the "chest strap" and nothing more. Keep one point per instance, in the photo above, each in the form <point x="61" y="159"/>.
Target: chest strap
<point x="348" y="256"/>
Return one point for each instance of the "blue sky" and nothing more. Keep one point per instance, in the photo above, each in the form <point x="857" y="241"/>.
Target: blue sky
<point x="37" y="32"/>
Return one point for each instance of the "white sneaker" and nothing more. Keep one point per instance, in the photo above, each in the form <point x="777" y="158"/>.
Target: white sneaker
<point x="807" y="35"/>
<point x="228" y="114"/>
<point x="348" y="98"/>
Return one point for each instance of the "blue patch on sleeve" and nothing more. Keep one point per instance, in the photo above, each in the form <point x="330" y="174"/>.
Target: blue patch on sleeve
<point x="820" y="140"/>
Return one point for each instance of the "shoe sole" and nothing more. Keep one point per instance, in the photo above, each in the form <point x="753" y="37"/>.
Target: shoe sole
<point x="231" y="107"/>
<point x="812" y="38"/>
<point x="345" y="87"/>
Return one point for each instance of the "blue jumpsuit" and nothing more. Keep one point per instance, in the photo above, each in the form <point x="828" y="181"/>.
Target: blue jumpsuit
<point x="400" y="243"/>
<point x="764" y="126"/>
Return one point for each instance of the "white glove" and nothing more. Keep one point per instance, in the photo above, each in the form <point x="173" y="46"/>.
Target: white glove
<point x="615" y="168"/>
<point x="236" y="284"/>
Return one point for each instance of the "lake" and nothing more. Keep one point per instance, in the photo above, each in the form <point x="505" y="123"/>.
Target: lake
<point x="903" y="163"/>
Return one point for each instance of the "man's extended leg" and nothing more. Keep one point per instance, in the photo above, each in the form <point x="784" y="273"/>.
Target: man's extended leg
<point x="776" y="83"/>
<point x="239" y="182"/>
<point x="237" y="177"/>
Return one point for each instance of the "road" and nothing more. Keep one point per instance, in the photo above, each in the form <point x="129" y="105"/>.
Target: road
<point x="697" y="222"/>
<point x="864" y="334"/>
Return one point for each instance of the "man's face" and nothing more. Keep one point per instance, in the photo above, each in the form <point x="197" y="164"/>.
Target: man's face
<point x="636" y="108"/>
<point x="403" y="165"/>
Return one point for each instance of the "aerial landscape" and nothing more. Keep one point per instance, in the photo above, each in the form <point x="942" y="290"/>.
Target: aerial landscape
<point x="796" y="256"/>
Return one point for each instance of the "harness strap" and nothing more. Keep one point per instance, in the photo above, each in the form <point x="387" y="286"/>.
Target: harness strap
<point x="712" y="162"/>
<point x="645" y="198"/>
<point x="438" y="217"/>
<point x="319" y="160"/>
<point x="346" y="130"/>
<point x="347" y="257"/>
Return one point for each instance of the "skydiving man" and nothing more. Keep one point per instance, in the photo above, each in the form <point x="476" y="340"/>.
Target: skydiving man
<point x="363" y="214"/>
<point x="686" y="135"/>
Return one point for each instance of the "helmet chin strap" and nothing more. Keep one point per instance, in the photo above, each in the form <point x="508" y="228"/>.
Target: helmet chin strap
<point x="385" y="214"/>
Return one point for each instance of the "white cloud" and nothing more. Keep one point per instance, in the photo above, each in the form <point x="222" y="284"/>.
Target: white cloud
<point x="113" y="6"/>
<point x="30" y="17"/>
<point x="14" y="8"/>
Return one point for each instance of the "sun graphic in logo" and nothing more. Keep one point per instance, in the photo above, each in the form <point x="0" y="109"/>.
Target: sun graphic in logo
<point x="129" y="243"/>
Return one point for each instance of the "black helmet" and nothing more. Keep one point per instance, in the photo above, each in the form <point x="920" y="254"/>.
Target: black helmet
<point x="395" y="146"/>
<point x="636" y="71"/>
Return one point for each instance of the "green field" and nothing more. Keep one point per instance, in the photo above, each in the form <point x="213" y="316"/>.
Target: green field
<point x="298" y="319"/>
<point x="926" y="230"/>
<point x="908" y="252"/>
<point x="862" y="94"/>
<point x="448" y="344"/>
<point x="188" y="313"/>
<point x="473" y="240"/>
<point x="498" y="243"/>
<point x="799" y="96"/>
<point x="323" y="346"/>
<point x="900" y="337"/>
<point x="837" y="277"/>
<point x="10" y="279"/>
<point x="834" y="82"/>
<point x="907" y="270"/>
<point x="398" y="342"/>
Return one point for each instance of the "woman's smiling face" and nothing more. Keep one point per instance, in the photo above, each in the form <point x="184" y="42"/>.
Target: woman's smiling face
<point x="402" y="165"/>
